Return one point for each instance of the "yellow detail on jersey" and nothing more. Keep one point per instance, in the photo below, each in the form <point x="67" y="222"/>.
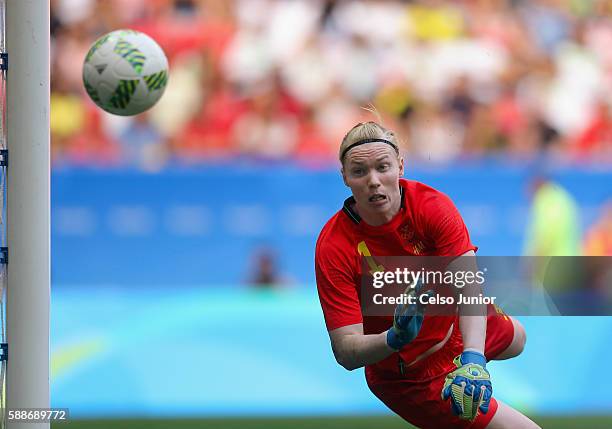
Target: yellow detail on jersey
<point x="418" y="248"/>
<point x="500" y="311"/>
<point x="363" y="250"/>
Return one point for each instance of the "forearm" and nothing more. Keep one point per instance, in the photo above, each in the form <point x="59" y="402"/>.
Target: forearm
<point x="473" y="320"/>
<point x="473" y="331"/>
<point x="355" y="351"/>
<point x="472" y="316"/>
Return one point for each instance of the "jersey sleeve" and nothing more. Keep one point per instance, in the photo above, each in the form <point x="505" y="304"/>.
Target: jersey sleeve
<point x="337" y="288"/>
<point x="446" y="228"/>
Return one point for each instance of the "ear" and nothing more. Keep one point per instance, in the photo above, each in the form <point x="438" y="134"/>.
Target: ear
<point x="401" y="166"/>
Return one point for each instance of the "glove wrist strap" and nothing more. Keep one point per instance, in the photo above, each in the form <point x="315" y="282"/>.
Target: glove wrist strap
<point x="393" y="340"/>
<point x="470" y="356"/>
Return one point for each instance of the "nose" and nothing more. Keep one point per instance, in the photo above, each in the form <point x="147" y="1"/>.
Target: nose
<point x="373" y="180"/>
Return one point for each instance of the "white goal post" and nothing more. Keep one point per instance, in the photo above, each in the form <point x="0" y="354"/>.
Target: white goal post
<point x="28" y="206"/>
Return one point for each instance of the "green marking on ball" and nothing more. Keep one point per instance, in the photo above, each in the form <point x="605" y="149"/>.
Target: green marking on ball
<point x="92" y="92"/>
<point x="123" y="93"/>
<point x="128" y="33"/>
<point x="156" y="80"/>
<point x="133" y="56"/>
<point x="102" y="40"/>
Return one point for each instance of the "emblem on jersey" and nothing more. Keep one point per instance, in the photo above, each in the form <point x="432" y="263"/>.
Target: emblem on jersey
<point x="406" y="232"/>
<point x="408" y="235"/>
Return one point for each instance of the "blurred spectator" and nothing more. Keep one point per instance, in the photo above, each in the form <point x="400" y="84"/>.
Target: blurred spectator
<point x="67" y="118"/>
<point x="554" y="226"/>
<point x="577" y="84"/>
<point x="513" y="127"/>
<point x="248" y="58"/>
<point x="70" y="47"/>
<point x="265" y="272"/>
<point x="598" y="239"/>
<point x="182" y="98"/>
<point x="93" y="147"/>
<point x="308" y="77"/>
<point x="433" y="20"/>
<point x="460" y="101"/>
<point x="268" y="129"/>
<point x="208" y="134"/>
<point x="548" y="22"/>
<point x="336" y="113"/>
<point x="283" y="79"/>
<point x="598" y="242"/>
<point x="313" y="147"/>
<point x="435" y="134"/>
<point x="553" y="236"/>
<point x="596" y="138"/>
<point x="142" y="144"/>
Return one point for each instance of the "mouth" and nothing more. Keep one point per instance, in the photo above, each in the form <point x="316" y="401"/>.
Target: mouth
<point x="378" y="198"/>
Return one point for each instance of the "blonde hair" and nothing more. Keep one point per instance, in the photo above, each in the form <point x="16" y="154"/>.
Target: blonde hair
<point x="367" y="130"/>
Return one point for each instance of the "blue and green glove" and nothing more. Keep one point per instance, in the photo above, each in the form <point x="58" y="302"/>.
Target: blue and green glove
<point x="469" y="386"/>
<point x="407" y="319"/>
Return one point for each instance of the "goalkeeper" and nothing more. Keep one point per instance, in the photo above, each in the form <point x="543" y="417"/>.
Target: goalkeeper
<point x="429" y="370"/>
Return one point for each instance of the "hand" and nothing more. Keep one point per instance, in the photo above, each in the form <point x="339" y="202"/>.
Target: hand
<point x="407" y="319"/>
<point x="469" y="386"/>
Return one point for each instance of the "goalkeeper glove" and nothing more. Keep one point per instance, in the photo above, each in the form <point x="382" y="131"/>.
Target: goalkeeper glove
<point x="469" y="386"/>
<point x="407" y="319"/>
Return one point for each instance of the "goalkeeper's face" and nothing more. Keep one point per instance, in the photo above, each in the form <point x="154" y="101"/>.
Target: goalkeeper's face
<point x="372" y="171"/>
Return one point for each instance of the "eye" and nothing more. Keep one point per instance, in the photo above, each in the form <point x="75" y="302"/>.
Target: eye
<point x="357" y="171"/>
<point x="383" y="167"/>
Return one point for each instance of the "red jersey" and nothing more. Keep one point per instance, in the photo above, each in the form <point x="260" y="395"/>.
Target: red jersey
<point x="428" y="224"/>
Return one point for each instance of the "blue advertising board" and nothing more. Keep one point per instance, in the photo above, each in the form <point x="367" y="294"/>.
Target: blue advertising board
<point x="194" y="227"/>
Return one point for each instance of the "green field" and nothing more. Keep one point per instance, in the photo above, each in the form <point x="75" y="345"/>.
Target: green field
<point x="603" y="422"/>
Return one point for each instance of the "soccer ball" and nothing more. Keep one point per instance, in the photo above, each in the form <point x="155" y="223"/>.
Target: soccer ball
<point x="125" y="72"/>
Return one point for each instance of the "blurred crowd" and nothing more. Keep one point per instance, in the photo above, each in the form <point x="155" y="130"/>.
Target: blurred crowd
<point x="285" y="79"/>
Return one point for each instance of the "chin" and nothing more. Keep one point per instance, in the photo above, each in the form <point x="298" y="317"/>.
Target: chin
<point x="381" y="210"/>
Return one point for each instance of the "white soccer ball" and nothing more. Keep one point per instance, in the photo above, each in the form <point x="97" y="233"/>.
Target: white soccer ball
<point x="125" y="72"/>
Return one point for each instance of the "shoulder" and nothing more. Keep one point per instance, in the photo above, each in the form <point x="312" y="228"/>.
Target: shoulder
<point x="438" y="220"/>
<point x="335" y="239"/>
<point x="424" y="199"/>
<point x="433" y="212"/>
